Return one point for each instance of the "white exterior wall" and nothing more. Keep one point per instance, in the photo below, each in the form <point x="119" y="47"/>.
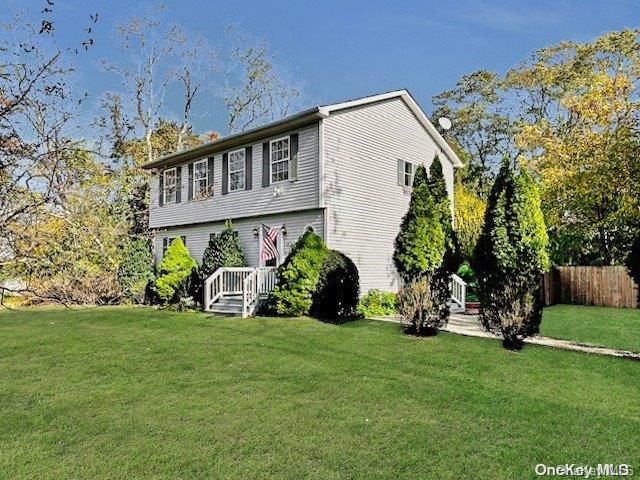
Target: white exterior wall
<point x="365" y="204"/>
<point x="198" y="234"/>
<point x="298" y="195"/>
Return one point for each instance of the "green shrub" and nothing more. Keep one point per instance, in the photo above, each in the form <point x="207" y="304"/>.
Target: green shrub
<point x="466" y="273"/>
<point x="174" y="273"/>
<point x="223" y="250"/>
<point x="633" y="263"/>
<point x="136" y="270"/>
<point x="510" y="257"/>
<point x="377" y="303"/>
<point x="336" y="296"/>
<point x="298" y="276"/>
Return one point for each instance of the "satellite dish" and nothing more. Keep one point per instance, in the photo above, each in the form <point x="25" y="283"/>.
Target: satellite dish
<point x="445" y="123"/>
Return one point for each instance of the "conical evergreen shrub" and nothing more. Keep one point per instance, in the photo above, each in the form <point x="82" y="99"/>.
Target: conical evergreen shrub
<point x="511" y="256"/>
<point x="223" y="250"/>
<point x="633" y="263"/>
<point x="174" y="272"/>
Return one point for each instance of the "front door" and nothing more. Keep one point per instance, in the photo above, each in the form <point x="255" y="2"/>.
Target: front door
<point x="277" y="260"/>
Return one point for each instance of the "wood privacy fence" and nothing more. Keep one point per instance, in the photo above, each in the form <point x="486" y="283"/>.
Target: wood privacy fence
<point x="600" y="286"/>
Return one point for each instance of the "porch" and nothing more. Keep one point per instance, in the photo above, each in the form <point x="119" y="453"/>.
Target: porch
<point x="237" y="291"/>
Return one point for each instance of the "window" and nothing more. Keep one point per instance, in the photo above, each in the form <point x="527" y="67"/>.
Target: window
<point x="279" y="159"/>
<point x="236" y="170"/>
<point x="170" y="185"/>
<point x="166" y="241"/>
<point x="409" y="172"/>
<point x="200" y="178"/>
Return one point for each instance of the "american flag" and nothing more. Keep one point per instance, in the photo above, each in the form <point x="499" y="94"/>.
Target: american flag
<point x="268" y="248"/>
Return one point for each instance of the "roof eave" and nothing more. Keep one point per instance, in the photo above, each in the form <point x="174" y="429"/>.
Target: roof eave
<point x="211" y="148"/>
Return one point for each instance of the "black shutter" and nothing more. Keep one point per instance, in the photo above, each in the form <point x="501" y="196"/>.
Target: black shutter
<point x="293" y="157"/>
<point x="266" y="173"/>
<point x="210" y="175"/>
<point x="164" y="244"/>
<point x="191" y="181"/>
<point x="225" y="173"/>
<point x="161" y="189"/>
<point x="184" y="239"/>
<point x="179" y="184"/>
<point x="248" y="168"/>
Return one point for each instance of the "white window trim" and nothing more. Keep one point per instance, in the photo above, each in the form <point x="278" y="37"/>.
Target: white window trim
<point x="243" y="169"/>
<point x="197" y="194"/>
<point x="164" y="185"/>
<point x="414" y="167"/>
<point x="288" y="138"/>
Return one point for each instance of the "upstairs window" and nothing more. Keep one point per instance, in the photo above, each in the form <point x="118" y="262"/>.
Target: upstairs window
<point x="170" y="185"/>
<point x="279" y="153"/>
<point x="200" y="178"/>
<point x="237" y="170"/>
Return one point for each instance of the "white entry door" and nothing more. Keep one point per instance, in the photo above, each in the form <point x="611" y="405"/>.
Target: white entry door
<point x="272" y="262"/>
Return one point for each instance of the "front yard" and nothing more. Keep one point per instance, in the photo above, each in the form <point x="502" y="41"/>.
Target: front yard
<point x="133" y="392"/>
<point x="602" y="326"/>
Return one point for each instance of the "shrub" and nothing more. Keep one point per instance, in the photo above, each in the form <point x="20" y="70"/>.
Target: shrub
<point x="174" y="273"/>
<point x="377" y="303"/>
<point x="415" y="304"/>
<point x="633" y="263"/>
<point x="135" y="270"/>
<point x="298" y="276"/>
<point x="336" y="296"/>
<point x="223" y="250"/>
<point x="467" y="273"/>
<point x="510" y="257"/>
<point x="426" y="248"/>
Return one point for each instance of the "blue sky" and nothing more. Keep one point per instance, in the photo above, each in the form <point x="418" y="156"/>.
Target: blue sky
<point x="341" y="49"/>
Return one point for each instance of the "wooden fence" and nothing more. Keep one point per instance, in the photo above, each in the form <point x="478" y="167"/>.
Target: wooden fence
<point x="600" y="286"/>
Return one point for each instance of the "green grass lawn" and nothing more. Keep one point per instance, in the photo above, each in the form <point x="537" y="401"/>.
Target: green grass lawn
<point x="603" y="326"/>
<point x="134" y="392"/>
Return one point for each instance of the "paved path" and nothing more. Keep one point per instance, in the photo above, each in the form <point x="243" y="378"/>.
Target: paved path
<point x="469" y="325"/>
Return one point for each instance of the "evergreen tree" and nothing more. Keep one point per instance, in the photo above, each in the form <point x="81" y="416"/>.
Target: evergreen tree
<point x="426" y="253"/>
<point x="175" y="272"/>
<point x="223" y="250"/>
<point x="633" y="263"/>
<point x="510" y="257"/>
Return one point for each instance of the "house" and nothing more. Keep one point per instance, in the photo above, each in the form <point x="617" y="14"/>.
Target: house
<point x="344" y="170"/>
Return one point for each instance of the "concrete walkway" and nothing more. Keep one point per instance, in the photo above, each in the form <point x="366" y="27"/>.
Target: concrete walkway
<point x="469" y="326"/>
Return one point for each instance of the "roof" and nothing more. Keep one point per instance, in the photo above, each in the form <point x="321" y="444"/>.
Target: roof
<point x="300" y="119"/>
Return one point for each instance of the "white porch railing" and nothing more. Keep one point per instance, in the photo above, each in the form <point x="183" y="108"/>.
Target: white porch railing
<point x="246" y="281"/>
<point x="260" y="281"/>
<point x="458" y="290"/>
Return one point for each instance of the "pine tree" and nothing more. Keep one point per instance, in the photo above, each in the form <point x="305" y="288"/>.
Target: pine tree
<point x="510" y="257"/>
<point x="633" y="263"/>
<point x="223" y="250"/>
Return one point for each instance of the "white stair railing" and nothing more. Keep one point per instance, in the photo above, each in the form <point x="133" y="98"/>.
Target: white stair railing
<point x="458" y="290"/>
<point x="260" y="281"/>
<point x="224" y="281"/>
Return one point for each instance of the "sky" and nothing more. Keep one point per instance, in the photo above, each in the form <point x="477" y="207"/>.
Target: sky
<point x="342" y="49"/>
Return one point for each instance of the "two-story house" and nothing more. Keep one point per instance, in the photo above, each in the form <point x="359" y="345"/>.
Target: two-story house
<point x="345" y="170"/>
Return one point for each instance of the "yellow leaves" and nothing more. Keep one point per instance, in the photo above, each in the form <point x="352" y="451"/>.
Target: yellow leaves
<point x="469" y="211"/>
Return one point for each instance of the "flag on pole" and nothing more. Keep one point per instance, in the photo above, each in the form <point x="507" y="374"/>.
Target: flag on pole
<point x="269" y="247"/>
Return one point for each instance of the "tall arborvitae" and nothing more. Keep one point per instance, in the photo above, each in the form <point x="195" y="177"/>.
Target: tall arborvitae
<point x="424" y="253"/>
<point x="223" y="250"/>
<point x="633" y="263"/>
<point x="511" y="256"/>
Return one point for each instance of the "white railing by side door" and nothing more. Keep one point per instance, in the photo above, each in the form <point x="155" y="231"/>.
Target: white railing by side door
<point x="458" y="290"/>
<point x="260" y="282"/>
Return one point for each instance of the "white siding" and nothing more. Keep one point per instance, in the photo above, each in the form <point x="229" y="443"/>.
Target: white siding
<point x="198" y="235"/>
<point x="360" y="185"/>
<point x="299" y="195"/>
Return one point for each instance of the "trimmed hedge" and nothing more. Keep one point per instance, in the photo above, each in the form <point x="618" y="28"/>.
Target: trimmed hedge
<point x="336" y="297"/>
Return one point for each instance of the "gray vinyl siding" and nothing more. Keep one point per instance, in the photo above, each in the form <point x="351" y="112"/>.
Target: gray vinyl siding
<point x="197" y="236"/>
<point x="365" y="204"/>
<point x="299" y="195"/>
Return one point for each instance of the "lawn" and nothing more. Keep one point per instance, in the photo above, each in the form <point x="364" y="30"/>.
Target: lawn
<point x="135" y="392"/>
<point x="603" y="326"/>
